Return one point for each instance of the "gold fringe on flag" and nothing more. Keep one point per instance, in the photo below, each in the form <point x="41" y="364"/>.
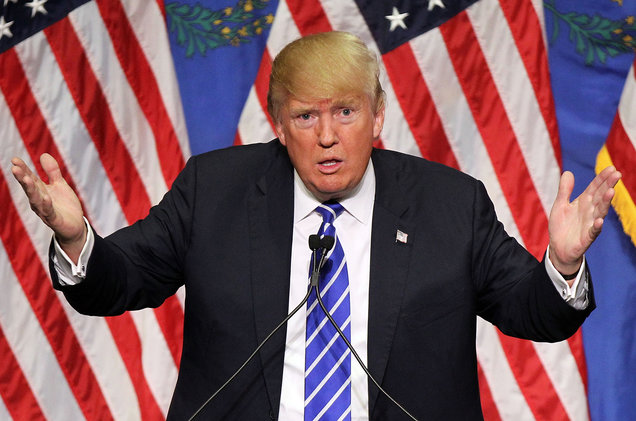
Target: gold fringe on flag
<point x="623" y="203"/>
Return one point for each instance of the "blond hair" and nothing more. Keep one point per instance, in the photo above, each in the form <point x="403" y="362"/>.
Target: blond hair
<point x="322" y="66"/>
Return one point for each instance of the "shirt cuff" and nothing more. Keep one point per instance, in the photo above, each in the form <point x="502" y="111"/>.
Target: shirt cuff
<point x="68" y="272"/>
<point x="575" y="295"/>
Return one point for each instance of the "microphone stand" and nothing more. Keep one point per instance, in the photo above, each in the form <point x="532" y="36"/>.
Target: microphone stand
<point x="294" y="311"/>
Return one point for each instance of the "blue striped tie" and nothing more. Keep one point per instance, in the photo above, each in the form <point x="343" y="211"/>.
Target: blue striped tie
<point x="327" y="358"/>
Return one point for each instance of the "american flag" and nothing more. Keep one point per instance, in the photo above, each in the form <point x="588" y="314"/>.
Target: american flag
<point x="96" y="88"/>
<point x="467" y="85"/>
<point x="620" y="150"/>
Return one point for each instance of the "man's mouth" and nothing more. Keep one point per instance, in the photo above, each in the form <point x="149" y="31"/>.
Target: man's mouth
<point x="329" y="165"/>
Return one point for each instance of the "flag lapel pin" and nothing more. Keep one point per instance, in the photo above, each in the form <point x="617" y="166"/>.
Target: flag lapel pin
<point x="400" y="236"/>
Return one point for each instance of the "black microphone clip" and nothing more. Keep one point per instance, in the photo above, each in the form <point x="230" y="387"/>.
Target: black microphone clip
<point x="323" y="244"/>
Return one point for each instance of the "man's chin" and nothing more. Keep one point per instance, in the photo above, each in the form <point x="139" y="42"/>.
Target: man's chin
<point x="332" y="187"/>
<point x="326" y="194"/>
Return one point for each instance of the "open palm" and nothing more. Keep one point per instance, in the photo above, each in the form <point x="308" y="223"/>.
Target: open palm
<point x="573" y="226"/>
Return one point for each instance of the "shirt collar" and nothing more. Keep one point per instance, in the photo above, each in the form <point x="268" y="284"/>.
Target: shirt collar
<point x="359" y="204"/>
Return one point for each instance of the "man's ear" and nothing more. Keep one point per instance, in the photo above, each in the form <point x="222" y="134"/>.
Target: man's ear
<point x="280" y="133"/>
<point x="378" y="123"/>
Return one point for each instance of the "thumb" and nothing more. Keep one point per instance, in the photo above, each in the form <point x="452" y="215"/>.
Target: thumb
<point x="51" y="168"/>
<point x="566" y="185"/>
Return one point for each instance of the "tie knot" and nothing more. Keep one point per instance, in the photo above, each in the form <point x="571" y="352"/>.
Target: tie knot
<point x="330" y="211"/>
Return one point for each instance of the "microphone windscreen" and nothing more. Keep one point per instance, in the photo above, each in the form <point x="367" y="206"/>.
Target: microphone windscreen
<point x="327" y="242"/>
<point x="314" y="242"/>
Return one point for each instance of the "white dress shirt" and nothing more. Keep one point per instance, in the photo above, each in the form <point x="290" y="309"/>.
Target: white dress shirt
<point x="353" y="227"/>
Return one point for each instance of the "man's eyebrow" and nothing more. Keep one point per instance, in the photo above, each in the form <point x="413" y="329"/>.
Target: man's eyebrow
<point x="346" y="102"/>
<point x="301" y="110"/>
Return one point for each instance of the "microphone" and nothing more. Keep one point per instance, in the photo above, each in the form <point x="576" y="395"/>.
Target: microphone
<point x="314" y="242"/>
<point x="325" y="244"/>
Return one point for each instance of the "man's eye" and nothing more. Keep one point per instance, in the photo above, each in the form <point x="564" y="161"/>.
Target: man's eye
<point x="346" y="112"/>
<point x="305" y="116"/>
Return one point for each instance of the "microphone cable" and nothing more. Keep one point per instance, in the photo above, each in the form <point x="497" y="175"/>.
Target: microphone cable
<point x="289" y="316"/>
<point x="355" y="354"/>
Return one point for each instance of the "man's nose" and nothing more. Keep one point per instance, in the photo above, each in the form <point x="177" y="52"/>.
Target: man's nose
<point x="325" y="132"/>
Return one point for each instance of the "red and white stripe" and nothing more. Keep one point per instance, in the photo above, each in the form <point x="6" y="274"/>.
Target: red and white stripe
<point x="98" y="91"/>
<point x="473" y="94"/>
<point x="627" y="132"/>
<point x="620" y="150"/>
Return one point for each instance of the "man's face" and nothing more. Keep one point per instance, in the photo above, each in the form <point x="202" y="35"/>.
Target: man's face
<point x="330" y="141"/>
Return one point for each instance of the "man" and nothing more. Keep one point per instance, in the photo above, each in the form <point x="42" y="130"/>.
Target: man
<point x="424" y="254"/>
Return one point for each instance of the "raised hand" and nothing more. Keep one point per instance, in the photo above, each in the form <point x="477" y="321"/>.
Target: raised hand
<point x="573" y="226"/>
<point x="55" y="203"/>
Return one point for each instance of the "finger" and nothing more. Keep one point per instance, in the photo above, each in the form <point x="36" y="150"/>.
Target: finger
<point x="17" y="162"/>
<point x="596" y="228"/>
<point x="598" y="183"/>
<point x="19" y="169"/>
<point x="614" y="178"/>
<point x="606" y="179"/>
<point x="602" y="208"/>
<point x="610" y="178"/>
<point x="33" y="194"/>
<point x="34" y="188"/>
<point x="25" y="178"/>
<point x="51" y="168"/>
<point x="597" y="188"/>
<point x="566" y="185"/>
<point x="604" y="175"/>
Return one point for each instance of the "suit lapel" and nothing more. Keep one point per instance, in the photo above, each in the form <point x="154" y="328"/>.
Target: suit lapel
<point x="390" y="257"/>
<point x="271" y="224"/>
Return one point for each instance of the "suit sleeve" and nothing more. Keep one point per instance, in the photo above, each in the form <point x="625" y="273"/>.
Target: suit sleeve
<point x="141" y="265"/>
<point x="514" y="291"/>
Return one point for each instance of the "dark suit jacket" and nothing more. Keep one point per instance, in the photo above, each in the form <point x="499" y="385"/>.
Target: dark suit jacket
<point x="225" y="230"/>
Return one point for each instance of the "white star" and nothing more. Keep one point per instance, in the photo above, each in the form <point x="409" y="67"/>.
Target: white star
<point x="4" y="28"/>
<point x="396" y="19"/>
<point x="7" y="1"/>
<point x="433" y="3"/>
<point x="37" y="6"/>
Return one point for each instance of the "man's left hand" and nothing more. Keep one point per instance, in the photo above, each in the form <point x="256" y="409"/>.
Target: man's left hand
<point x="573" y="226"/>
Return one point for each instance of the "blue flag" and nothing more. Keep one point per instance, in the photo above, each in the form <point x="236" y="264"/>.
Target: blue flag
<point x="591" y="50"/>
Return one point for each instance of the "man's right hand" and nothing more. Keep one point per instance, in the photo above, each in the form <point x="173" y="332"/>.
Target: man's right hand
<point x="55" y="203"/>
